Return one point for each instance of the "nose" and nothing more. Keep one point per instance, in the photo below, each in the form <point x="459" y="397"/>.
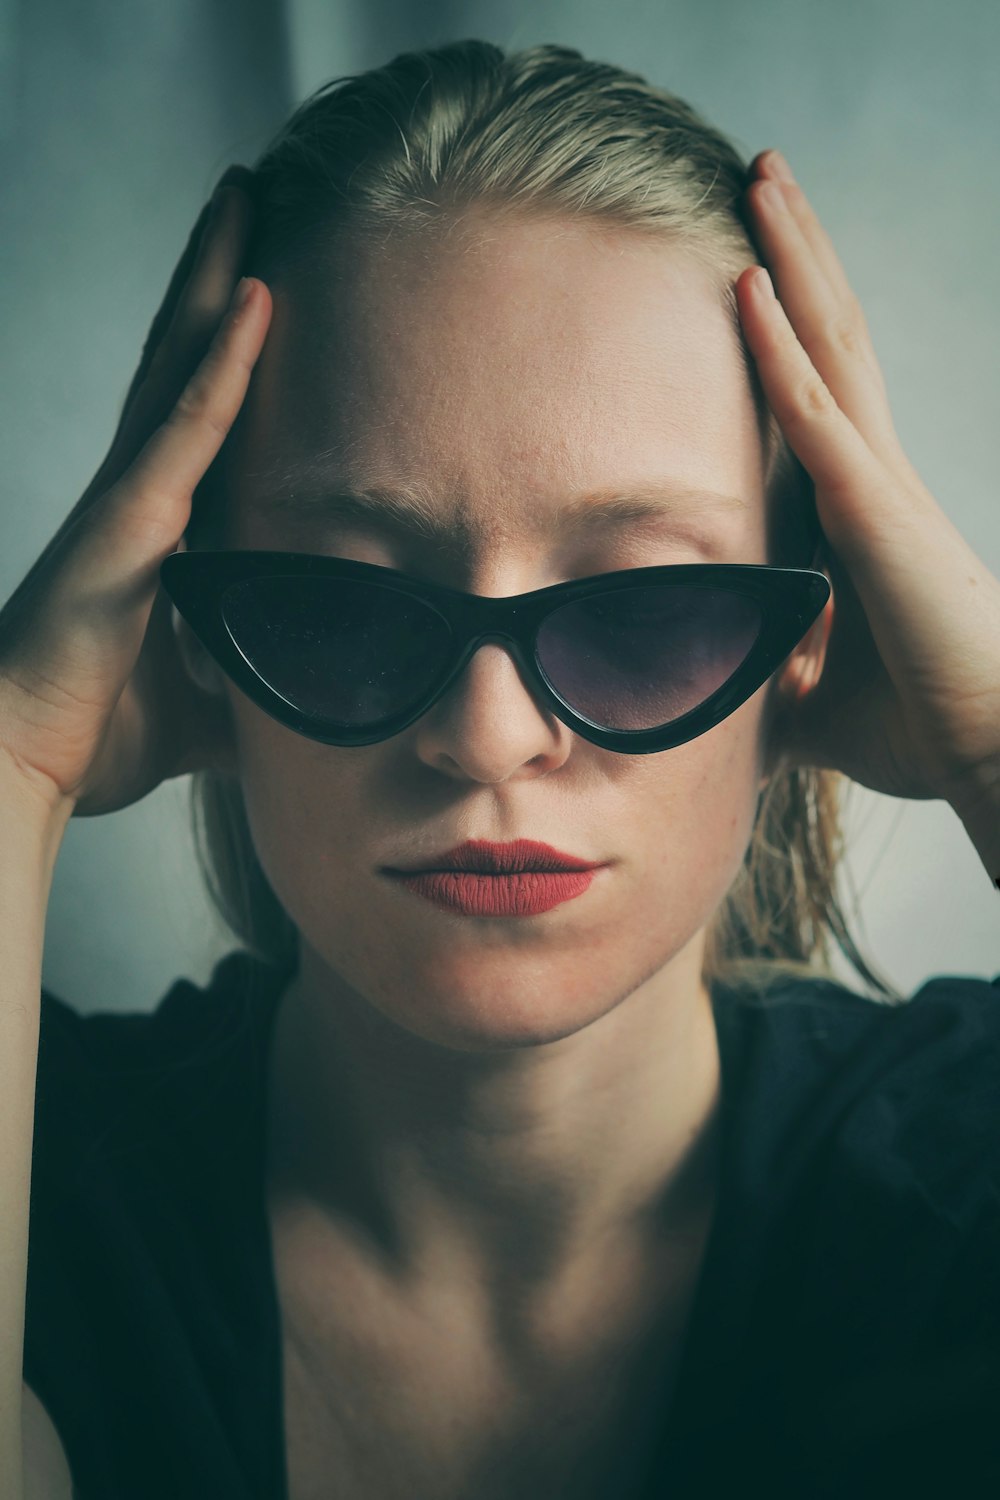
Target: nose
<point x="489" y="723"/>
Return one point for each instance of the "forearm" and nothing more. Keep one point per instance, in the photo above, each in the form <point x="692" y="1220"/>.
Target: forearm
<point x="29" y="843"/>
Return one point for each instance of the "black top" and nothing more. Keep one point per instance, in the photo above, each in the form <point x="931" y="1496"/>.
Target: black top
<point x="845" y="1337"/>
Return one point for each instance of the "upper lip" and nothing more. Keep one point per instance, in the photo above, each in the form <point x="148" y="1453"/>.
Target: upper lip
<point x="487" y="857"/>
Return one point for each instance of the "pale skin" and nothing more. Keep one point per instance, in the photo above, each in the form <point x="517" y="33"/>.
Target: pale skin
<point x="494" y="1140"/>
<point x="521" y="1097"/>
<point x="485" y="1034"/>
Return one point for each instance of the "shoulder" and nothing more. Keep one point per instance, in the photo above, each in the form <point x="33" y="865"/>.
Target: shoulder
<point x="100" y="1042"/>
<point x="868" y="1160"/>
<point x="900" y="1098"/>
<point x="950" y="1026"/>
<point x="143" y="1214"/>
<point x="107" y="1079"/>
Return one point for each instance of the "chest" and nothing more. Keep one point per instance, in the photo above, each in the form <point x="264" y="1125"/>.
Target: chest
<point x="386" y="1398"/>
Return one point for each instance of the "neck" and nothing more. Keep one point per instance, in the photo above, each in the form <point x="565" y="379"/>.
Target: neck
<point x="507" y="1168"/>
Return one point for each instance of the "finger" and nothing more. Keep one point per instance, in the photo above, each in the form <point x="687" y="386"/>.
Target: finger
<point x="118" y="458"/>
<point x="866" y="506"/>
<point x="195" y="318"/>
<point x="199" y="308"/>
<point x="165" y="311"/>
<point x="898" y="545"/>
<point x="237" y="176"/>
<point x="115" y="552"/>
<point x="793" y="201"/>
<point x="184" y="342"/>
<point x="172" y="462"/>
<point x="819" y="241"/>
<point x="832" y="331"/>
<point x="932" y="606"/>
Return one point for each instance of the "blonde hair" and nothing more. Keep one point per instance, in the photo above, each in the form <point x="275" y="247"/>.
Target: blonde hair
<point x="407" y="147"/>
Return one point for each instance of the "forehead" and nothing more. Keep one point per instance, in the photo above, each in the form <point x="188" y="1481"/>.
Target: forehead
<point x="498" y="363"/>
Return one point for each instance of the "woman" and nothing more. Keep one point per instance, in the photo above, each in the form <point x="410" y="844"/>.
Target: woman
<point x="502" y="1180"/>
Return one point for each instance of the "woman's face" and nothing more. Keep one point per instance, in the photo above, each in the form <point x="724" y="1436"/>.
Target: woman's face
<point x="507" y="369"/>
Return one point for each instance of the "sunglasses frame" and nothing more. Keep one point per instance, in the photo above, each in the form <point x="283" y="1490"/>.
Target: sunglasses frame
<point x="791" y="599"/>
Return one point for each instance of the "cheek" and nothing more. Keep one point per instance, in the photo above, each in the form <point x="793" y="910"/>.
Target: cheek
<point x="304" y="809"/>
<point x="678" y="824"/>
<point x="322" y="818"/>
<point x="694" y="814"/>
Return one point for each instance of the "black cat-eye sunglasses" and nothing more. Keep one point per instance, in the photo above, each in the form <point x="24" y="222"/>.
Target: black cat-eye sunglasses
<point x="636" y="661"/>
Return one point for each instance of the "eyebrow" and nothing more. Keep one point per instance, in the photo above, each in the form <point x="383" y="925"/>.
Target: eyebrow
<point x="412" y="510"/>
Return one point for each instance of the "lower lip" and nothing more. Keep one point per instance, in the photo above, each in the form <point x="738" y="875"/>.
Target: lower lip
<point x="474" y="895"/>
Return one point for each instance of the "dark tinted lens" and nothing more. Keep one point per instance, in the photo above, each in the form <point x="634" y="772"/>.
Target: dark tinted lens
<point x="640" y="658"/>
<point x="358" y="653"/>
<point x="353" y="653"/>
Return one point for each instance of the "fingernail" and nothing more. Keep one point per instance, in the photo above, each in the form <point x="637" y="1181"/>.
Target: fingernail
<point x="780" y="166"/>
<point x="243" y="293"/>
<point x="763" y="285"/>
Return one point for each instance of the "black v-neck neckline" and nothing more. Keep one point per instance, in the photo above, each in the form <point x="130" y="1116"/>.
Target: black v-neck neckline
<point x="719" y="1301"/>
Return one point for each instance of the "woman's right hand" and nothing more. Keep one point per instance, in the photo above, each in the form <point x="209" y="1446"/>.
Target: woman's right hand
<point x="96" y="704"/>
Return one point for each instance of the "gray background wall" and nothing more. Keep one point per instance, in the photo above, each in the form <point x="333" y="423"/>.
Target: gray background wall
<point x="116" y="120"/>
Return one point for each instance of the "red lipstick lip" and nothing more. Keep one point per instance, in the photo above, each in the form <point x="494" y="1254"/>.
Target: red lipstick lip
<point x="471" y="893"/>
<point x="484" y="857"/>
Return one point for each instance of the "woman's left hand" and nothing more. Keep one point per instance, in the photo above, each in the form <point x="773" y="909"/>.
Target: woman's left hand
<point x="908" y="702"/>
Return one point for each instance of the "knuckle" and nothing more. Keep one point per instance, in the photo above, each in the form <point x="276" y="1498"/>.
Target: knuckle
<point x="195" y="405"/>
<point x="147" y="519"/>
<point x="189" y="404"/>
<point x="847" y="337"/>
<point x="856" y="311"/>
<point x="814" y="399"/>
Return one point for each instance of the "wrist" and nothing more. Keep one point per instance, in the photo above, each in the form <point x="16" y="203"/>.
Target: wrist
<point x="33" y="825"/>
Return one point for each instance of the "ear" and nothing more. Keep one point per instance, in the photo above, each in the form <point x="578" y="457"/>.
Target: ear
<point x="803" y="669"/>
<point x="201" y="668"/>
<point x="796" y="679"/>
